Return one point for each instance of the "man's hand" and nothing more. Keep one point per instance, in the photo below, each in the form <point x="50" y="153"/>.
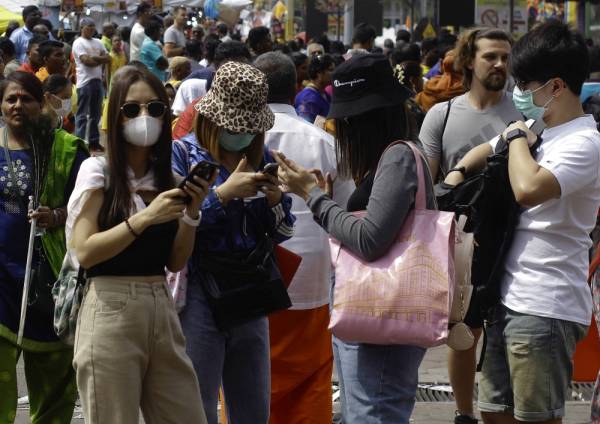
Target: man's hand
<point x="520" y="125"/>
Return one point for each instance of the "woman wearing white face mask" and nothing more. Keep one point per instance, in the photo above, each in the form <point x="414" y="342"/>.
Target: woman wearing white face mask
<point x="57" y="102"/>
<point x="127" y="224"/>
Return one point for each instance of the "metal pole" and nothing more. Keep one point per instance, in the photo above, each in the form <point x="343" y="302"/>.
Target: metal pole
<point x="27" y="280"/>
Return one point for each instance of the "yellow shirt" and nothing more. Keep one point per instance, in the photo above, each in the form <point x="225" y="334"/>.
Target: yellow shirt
<point x="117" y="60"/>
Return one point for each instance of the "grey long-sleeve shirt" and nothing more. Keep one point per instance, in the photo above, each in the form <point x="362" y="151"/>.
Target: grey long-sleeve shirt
<point x="392" y="198"/>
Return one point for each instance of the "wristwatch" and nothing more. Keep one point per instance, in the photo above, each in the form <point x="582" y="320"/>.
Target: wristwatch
<point x="514" y="134"/>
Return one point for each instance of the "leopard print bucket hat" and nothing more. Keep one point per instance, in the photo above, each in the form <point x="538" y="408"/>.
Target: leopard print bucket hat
<point x="237" y="99"/>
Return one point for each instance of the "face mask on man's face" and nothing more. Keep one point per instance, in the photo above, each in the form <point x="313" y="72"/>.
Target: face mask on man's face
<point x="524" y="103"/>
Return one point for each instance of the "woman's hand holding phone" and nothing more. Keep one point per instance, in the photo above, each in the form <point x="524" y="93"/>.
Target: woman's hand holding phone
<point x="197" y="189"/>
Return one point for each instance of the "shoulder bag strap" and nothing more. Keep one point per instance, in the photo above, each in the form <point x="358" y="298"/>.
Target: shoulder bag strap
<point x="420" y="202"/>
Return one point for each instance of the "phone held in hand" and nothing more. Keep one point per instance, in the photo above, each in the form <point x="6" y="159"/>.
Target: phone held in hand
<point x="203" y="169"/>
<point x="271" y="169"/>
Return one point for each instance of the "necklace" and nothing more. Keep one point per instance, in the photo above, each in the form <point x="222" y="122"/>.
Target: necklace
<point x="16" y="186"/>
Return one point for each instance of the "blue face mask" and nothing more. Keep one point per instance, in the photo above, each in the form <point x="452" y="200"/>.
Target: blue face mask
<point x="523" y="101"/>
<point x="234" y="142"/>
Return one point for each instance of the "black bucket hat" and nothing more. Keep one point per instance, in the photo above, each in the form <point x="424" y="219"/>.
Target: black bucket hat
<point x="363" y="83"/>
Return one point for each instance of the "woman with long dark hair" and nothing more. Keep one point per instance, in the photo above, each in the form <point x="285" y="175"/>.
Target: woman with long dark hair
<point x="378" y="382"/>
<point x="127" y="224"/>
<point x="38" y="163"/>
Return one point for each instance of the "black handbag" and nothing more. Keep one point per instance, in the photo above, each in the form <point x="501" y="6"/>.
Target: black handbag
<point x="42" y="280"/>
<point x="243" y="286"/>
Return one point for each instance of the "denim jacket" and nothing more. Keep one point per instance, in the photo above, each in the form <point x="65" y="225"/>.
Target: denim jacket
<point x="237" y="226"/>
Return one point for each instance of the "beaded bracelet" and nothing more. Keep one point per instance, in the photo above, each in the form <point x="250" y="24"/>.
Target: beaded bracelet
<point x="130" y="228"/>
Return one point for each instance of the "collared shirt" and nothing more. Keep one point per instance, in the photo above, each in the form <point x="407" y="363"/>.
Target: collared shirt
<point x="20" y="38"/>
<point x="310" y="147"/>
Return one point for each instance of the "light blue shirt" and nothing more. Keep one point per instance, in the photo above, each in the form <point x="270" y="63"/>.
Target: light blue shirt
<point x="149" y="54"/>
<point x="20" y="38"/>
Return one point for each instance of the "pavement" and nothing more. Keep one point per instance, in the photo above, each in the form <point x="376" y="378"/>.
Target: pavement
<point x="432" y="372"/>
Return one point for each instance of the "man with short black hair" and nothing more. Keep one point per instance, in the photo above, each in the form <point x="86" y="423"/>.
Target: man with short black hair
<point x="52" y="57"/>
<point x="20" y="37"/>
<point x="90" y="58"/>
<point x="137" y="36"/>
<point x="108" y="30"/>
<point x="41" y="29"/>
<point x="260" y="41"/>
<point x="34" y="62"/>
<point x="151" y="54"/>
<point x="449" y="131"/>
<point x="403" y="36"/>
<point x="364" y="37"/>
<point x="223" y="32"/>
<point x="546" y="305"/>
<point x="174" y="36"/>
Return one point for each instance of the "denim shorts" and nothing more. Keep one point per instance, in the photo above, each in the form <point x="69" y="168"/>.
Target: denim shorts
<point x="528" y="365"/>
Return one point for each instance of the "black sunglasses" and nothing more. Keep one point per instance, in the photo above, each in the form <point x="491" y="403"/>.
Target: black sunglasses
<point x="155" y="108"/>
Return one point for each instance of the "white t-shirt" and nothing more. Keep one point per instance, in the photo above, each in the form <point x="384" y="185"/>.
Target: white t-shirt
<point x="136" y="39"/>
<point x="92" y="47"/>
<point x="188" y="91"/>
<point x="310" y="147"/>
<point x="547" y="265"/>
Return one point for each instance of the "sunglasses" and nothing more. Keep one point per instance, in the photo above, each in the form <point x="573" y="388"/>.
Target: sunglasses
<point x="155" y="109"/>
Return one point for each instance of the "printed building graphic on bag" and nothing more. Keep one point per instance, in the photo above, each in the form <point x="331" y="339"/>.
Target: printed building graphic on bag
<point x="414" y="288"/>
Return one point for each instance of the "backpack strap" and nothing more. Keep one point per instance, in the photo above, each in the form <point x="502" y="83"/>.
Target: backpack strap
<point x="441" y="170"/>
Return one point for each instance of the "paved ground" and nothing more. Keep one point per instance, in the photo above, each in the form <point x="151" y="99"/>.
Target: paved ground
<point x="432" y="371"/>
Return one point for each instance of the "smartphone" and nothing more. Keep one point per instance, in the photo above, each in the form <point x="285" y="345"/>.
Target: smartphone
<point x="203" y="169"/>
<point x="271" y="169"/>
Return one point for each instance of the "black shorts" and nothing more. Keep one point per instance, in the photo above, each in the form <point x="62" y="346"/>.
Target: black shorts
<point x="474" y="317"/>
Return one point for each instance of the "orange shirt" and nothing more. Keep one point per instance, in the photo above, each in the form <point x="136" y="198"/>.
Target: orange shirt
<point x="26" y="67"/>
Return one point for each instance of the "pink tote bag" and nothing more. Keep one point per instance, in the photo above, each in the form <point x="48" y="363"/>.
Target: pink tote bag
<point x="405" y="296"/>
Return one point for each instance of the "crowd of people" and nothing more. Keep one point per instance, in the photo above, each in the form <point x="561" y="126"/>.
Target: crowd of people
<point x="292" y="141"/>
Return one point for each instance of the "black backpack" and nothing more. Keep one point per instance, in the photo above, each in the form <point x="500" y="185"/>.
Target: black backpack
<point x="492" y="214"/>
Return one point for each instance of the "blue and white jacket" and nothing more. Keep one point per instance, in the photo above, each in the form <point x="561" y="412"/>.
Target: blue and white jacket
<point x="231" y="228"/>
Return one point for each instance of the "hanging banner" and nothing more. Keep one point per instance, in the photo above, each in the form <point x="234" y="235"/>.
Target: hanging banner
<point x="496" y="14"/>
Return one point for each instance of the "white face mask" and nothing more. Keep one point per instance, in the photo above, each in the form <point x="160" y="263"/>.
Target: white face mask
<point x="65" y="106"/>
<point x="143" y="130"/>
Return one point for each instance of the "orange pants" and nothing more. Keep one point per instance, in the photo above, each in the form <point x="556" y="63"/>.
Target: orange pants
<point x="301" y="367"/>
